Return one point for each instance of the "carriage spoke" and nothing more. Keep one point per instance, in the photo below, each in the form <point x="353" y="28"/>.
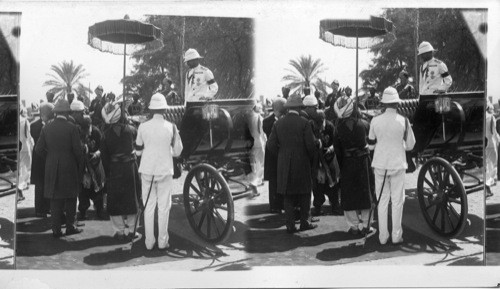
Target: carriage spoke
<point x="209" y="216"/>
<point x="219" y="216"/>
<point x="195" y="189"/>
<point x="430" y="184"/>
<point x="453" y="211"/>
<point x="452" y="226"/>
<point x="435" y="215"/>
<point x="202" y="219"/>
<point x="433" y="177"/>
<point x="215" y="221"/>
<point x="442" y="219"/>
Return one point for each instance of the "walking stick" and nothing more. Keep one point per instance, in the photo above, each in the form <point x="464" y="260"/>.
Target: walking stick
<point x="372" y="208"/>
<point x="140" y="213"/>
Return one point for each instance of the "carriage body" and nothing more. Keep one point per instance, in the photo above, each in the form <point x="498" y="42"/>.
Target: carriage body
<point x="216" y="154"/>
<point x="9" y="116"/>
<point x="449" y="138"/>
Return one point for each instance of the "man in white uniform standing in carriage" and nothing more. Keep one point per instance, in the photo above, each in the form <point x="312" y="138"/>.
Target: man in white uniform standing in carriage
<point x="434" y="76"/>
<point x="200" y="82"/>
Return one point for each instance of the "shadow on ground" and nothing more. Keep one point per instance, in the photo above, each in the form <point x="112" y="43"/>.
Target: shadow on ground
<point x="95" y="248"/>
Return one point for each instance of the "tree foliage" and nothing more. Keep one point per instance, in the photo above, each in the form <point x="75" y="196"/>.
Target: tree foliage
<point x="304" y="72"/>
<point x="446" y="30"/>
<point x="225" y="43"/>
<point x="67" y="77"/>
<point x="9" y="68"/>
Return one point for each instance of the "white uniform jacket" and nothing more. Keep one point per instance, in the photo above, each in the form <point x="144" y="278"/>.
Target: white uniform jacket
<point x="199" y="82"/>
<point x="434" y="76"/>
<point x="157" y="141"/>
<point x="387" y="138"/>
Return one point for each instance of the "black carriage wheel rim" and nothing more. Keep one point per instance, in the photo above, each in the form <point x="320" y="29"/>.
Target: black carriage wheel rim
<point x="440" y="195"/>
<point x="208" y="208"/>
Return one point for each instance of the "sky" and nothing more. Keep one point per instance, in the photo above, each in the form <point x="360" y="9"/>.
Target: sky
<point x="52" y="34"/>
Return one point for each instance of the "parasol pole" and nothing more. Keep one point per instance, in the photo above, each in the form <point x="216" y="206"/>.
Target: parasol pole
<point x="124" y="68"/>
<point x="356" y="97"/>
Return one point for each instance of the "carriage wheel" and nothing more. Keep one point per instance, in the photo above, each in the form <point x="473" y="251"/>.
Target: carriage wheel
<point x="442" y="197"/>
<point x="208" y="203"/>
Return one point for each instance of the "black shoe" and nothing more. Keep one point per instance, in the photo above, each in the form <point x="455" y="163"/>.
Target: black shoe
<point x="317" y="212"/>
<point x="57" y="234"/>
<point x="275" y="211"/>
<point x="291" y="230"/>
<point x="307" y="226"/>
<point x="73" y="231"/>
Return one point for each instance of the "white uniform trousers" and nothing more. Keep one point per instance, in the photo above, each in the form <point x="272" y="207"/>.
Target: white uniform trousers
<point x="357" y="219"/>
<point x="393" y="191"/>
<point x="123" y="224"/>
<point x="491" y="165"/>
<point x="161" y="196"/>
<point x="256" y="177"/>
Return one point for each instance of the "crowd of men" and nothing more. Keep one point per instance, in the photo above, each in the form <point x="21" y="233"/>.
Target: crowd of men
<point x="317" y="149"/>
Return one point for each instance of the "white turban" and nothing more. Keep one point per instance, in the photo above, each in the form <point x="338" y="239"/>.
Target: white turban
<point x="111" y="113"/>
<point x="344" y="106"/>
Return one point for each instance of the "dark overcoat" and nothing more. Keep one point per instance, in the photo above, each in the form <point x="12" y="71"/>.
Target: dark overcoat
<point x="122" y="177"/>
<point x="37" y="162"/>
<point x="60" y="144"/>
<point x="356" y="177"/>
<point x="270" y="160"/>
<point x="292" y="140"/>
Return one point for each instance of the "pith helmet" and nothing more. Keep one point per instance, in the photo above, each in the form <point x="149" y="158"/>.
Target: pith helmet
<point x="191" y="54"/>
<point x="158" y="101"/>
<point x="425" y="47"/>
<point x="390" y="95"/>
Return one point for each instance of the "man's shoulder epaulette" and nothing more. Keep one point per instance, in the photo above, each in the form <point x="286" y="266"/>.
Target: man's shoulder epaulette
<point x="203" y="68"/>
<point x="437" y="60"/>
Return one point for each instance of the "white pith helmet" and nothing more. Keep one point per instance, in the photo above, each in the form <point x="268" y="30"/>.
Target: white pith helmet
<point x="425" y="47"/>
<point x="390" y="95"/>
<point x="191" y="54"/>
<point x="158" y="101"/>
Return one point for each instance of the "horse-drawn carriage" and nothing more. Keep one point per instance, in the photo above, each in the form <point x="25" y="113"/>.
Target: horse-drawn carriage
<point x="449" y="141"/>
<point x="216" y="154"/>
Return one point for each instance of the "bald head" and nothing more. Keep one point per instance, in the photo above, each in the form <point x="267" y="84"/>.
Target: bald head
<point x="279" y="106"/>
<point x="46" y="111"/>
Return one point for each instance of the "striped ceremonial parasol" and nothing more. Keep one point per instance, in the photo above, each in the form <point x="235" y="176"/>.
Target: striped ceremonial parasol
<point x="125" y="36"/>
<point x="356" y="33"/>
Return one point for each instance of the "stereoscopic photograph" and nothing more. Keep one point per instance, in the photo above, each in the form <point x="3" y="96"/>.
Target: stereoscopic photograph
<point x="197" y="142"/>
<point x="9" y="119"/>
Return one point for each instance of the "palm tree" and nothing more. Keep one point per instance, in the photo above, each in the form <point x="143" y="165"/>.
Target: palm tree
<point x="67" y="78"/>
<point x="305" y="73"/>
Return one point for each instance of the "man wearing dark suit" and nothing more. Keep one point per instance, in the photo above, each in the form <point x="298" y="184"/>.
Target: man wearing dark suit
<point x="60" y="145"/>
<point x="270" y="160"/>
<point x="292" y="140"/>
<point x="42" y="205"/>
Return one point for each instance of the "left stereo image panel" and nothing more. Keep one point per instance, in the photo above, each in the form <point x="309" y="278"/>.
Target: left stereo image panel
<point x="11" y="152"/>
